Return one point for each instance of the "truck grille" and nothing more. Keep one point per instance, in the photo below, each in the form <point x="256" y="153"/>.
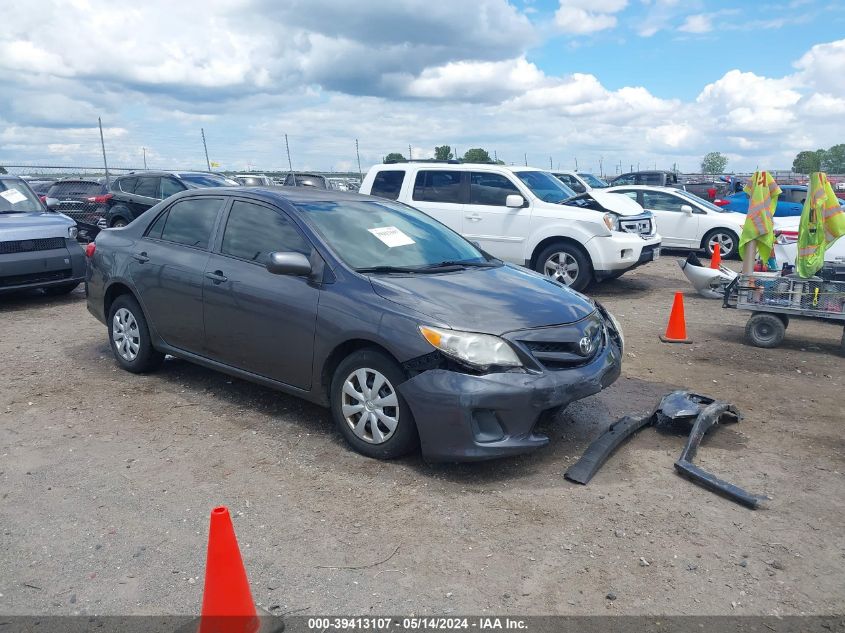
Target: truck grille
<point x="640" y="225"/>
<point x="25" y="246"/>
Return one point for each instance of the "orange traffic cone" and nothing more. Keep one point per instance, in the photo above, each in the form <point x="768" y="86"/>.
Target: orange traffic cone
<point x="716" y="260"/>
<point x="676" y="331"/>
<point x="227" y="605"/>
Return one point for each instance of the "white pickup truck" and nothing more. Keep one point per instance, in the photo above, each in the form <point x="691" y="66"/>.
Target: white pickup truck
<point x="526" y="216"/>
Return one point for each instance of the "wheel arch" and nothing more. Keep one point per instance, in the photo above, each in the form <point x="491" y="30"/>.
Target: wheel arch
<point x="545" y="243"/>
<point x="115" y="290"/>
<point x="336" y="356"/>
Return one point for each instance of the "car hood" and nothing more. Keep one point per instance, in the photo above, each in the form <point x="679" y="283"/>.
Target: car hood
<point x="486" y="300"/>
<point x="31" y="226"/>
<point x="614" y="202"/>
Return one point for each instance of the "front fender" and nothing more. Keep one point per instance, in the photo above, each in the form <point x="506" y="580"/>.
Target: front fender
<point x="578" y="231"/>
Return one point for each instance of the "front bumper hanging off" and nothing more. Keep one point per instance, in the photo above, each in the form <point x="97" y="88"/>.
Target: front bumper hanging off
<point x="675" y="407"/>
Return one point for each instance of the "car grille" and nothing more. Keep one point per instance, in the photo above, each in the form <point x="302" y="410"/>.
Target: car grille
<point x="25" y="246"/>
<point x="560" y="347"/>
<point x="34" y="278"/>
<point x="641" y="225"/>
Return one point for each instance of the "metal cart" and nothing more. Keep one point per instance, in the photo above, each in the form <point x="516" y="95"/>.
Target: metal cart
<point x="773" y="299"/>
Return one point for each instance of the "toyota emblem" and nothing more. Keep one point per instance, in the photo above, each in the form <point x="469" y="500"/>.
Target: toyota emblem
<point x="585" y="345"/>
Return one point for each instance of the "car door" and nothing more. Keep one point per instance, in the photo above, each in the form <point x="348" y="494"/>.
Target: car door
<point x="168" y="269"/>
<point x="676" y="227"/>
<point x="498" y="229"/>
<point x="440" y="194"/>
<point x="255" y="320"/>
<point x="146" y="195"/>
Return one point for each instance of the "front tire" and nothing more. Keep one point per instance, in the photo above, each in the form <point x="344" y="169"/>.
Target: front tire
<point x="367" y="408"/>
<point x="129" y="337"/>
<point x="728" y="242"/>
<point x="765" y="330"/>
<point x="566" y="263"/>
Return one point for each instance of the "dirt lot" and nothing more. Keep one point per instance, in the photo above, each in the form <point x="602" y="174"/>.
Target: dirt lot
<point x="107" y="480"/>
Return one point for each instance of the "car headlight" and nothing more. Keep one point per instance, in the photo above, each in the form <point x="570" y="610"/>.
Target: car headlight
<point x="72" y="232"/>
<point x="611" y="221"/>
<point x="479" y="350"/>
<point x="616" y="326"/>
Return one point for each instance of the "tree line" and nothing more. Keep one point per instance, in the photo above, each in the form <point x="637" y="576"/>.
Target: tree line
<point x="831" y="161"/>
<point x="444" y="152"/>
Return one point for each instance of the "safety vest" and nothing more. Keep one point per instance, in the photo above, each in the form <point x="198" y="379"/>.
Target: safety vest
<point x="822" y="223"/>
<point x="763" y="194"/>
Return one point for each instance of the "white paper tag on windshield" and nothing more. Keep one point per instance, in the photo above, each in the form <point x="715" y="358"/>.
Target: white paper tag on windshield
<point x="391" y="236"/>
<point x="13" y="195"/>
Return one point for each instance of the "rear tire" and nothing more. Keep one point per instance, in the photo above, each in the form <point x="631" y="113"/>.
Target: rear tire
<point x="765" y="330"/>
<point x="367" y="408"/>
<point x="129" y="337"/>
<point x="62" y="289"/>
<point x="728" y="243"/>
<point x="566" y="263"/>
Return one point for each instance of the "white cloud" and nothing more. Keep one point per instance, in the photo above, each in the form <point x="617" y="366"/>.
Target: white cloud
<point x="580" y="17"/>
<point x="699" y="23"/>
<point x="822" y="68"/>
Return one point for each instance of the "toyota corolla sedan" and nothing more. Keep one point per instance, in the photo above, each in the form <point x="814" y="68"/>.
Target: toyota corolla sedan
<point x="410" y="334"/>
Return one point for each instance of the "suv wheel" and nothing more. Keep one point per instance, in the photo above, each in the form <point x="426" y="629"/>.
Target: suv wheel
<point x="565" y="263"/>
<point x="367" y="408"/>
<point x="129" y="337"/>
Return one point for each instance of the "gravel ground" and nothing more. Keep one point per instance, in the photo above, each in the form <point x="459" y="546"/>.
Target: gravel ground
<point x="107" y="480"/>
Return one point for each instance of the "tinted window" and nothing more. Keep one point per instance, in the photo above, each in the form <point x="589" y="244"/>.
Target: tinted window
<point x="157" y="226"/>
<point x="250" y="181"/>
<point x="254" y="231"/>
<point x="75" y="189"/>
<point x="190" y="222"/>
<point x="661" y="201"/>
<point x="127" y="185"/>
<point x="625" y="180"/>
<point x="491" y="189"/>
<point x="438" y="186"/>
<point x="387" y="184"/>
<point x="147" y="187"/>
<point x="651" y="179"/>
<point x="169" y="186"/>
<point x="208" y="180"/>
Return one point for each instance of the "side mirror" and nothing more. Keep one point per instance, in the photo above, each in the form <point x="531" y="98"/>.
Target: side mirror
<point x="289" y="263"/>
<point x="51" y="203"/>
<point x="514" y="201"/>
<point x="686" y="209"/>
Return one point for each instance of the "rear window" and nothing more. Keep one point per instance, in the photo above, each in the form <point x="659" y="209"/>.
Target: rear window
<point x="147" y="187"/>
<point x="434" y="185"/>
<point x="127" y="185"/>
<point x="387" y="184"/>
<point x="75" y="189"/>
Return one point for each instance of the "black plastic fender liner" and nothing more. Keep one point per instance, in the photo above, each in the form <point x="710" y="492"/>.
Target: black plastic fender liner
<point x="602" y="448"/>
<point x="711" y="482"/>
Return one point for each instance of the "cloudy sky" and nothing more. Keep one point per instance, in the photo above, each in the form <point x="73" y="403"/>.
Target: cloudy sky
<point x="624" y="82"/>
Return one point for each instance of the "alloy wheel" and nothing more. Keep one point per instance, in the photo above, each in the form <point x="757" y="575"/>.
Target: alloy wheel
<point x="725" y="242"/>
<point x="125" y="334"/>
<point x="562" y="267"/>
<point x="370" y="405"/>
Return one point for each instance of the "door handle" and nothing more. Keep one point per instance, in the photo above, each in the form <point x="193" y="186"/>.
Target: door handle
<point x="141" y="258"/>
<point x="217" y="276"/>
<point x="474" y="217"/>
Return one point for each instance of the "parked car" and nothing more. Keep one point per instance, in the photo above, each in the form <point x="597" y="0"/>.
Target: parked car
<point x="706" y="189"/>
<point x="307" y="180"/>
<point x="407" y="331"/>
<point x="526" y="216"/>
<point x="83" y="199"/>
<point x="790" y="202"/>
<point x="685" y="220"/>
<point x="253" y="180"/>
<point x="38" y="247"/>
<point x="134" y="193"/>
<point x="580" y="182"/>
<point x="40" y="186"/>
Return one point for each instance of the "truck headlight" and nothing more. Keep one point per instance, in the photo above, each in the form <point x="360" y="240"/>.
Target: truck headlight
<point x="611" y="221"/>
<point x="72" y="232"/>
<point x="479" y="350"/>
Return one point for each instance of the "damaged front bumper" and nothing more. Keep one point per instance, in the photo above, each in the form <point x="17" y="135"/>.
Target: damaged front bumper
<point x="467" y="417"/>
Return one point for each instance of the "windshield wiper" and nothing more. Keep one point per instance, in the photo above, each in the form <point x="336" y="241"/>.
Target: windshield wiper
<point x="387" y="269"/>
<point x="460" y="264"/>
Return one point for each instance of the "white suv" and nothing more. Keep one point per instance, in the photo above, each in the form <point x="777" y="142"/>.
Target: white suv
<point x="526" y="216"/>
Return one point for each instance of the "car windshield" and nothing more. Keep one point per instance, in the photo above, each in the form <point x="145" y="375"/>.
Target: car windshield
<point x="250" y="181"/>
<point x="383" y="236"/>
<point x="701" y="201"/>
<point x="545" y="186"/>
<point x="595" y="183"/>
<point x="15" y="197"/>
<point x="207" y="180"/>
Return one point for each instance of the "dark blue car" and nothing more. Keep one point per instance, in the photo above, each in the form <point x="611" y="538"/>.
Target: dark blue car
<point x="407" y="331"/>
<point x="790" y="202"/>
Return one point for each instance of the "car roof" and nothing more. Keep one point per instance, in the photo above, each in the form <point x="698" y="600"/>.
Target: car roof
<point x="277" y="194"/>
<point x="450" y="166"/>
<point x="645" y="187"/>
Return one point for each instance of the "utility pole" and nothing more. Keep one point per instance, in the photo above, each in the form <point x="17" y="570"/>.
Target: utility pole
<point x="357" y="153"/>
<point x="144" y="149"/>
<point x="526" y="159"/>
<point x="205" y="147"/>
<point x="495" y="157"/>
<point x="103" y="145"/>
<point x="576" y="163"/>
<point x="550" y="164"/>
<point x="290" y="163"/>
<point x="410" y="152"/>
<point x="601" y="172"/>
